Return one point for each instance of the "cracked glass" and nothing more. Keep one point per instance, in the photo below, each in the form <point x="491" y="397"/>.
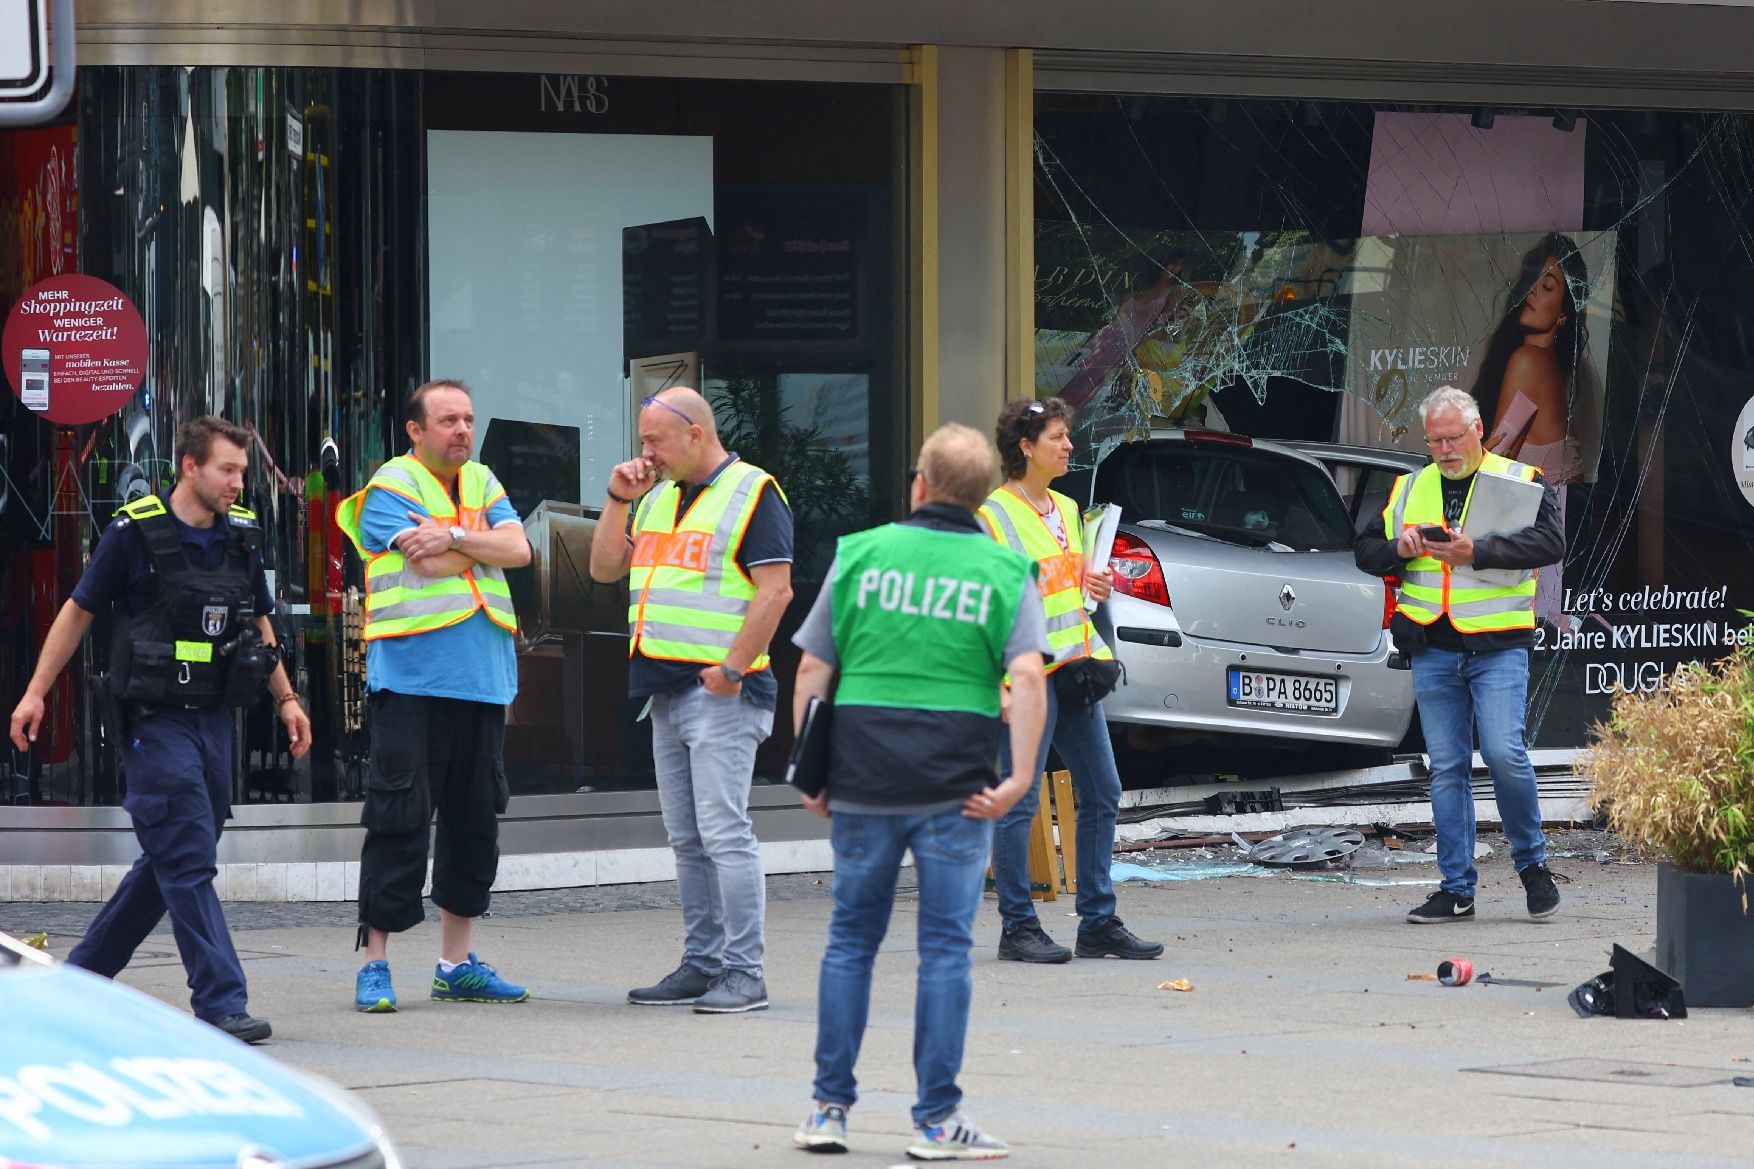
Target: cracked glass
<point x="1299" y="270"/>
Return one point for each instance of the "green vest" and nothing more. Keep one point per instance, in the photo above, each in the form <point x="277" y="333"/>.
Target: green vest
<point x="1431" y="588"/>
<point x="1015" y="523"/>
<point x="686" y="594"/>
<point x="398" y="602"/>
<point x="921" y="618"/>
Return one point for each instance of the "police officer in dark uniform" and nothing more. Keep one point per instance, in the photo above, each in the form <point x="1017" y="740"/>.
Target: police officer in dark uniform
<point x="192" y="643"/>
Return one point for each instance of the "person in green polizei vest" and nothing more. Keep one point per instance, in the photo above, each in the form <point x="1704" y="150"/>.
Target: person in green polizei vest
<point x="913" y="636"/>
<point x="1469" y="636"/>
<point x="437" y="533"/>
<point x="704" y="539"/>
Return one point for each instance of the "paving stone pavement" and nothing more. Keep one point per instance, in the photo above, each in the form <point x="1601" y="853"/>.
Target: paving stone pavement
<point x="1301" y="1043"/>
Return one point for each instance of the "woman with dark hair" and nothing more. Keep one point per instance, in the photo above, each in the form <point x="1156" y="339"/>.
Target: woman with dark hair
<point x="1528" y="383"/>
<point x="1035" y="448"/>
<point x="1529" y="376"/>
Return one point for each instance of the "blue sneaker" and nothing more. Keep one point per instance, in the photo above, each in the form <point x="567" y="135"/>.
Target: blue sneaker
<point x="474" y="981"/>
<point x="372" y="991"/>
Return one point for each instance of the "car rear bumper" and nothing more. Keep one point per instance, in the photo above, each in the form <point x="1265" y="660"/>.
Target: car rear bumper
<point x="1185" y="685"/>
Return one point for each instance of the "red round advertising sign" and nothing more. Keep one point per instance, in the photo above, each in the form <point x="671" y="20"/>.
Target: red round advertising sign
<point x="74" y="349"/>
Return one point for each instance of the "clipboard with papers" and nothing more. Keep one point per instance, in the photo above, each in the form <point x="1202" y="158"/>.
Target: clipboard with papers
<point x="807" y="769"/>
<point x="1499" y="504"/>
<point x="1100" y="525"/>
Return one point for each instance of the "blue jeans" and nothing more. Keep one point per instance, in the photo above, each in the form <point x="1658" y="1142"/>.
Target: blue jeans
<point x="1081" y="737"/>
<point x="1460" y="693"/>
<point x="703" y="747"/>
<point x="950" y="858"/>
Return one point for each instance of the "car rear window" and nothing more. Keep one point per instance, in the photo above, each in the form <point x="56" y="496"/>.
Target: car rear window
<point x="1253" y="493"/>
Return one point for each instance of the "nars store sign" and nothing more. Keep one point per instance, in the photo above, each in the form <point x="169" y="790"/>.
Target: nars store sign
<point x="24" y="47"/>
<point x="574" y="93"/>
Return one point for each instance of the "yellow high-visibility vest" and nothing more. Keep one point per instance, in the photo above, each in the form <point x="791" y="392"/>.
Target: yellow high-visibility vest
<point x="1014" y="522"/>
<point x="687" y="595"/>
<point x="1429" y="587"/>
<point x="400" y="602"/>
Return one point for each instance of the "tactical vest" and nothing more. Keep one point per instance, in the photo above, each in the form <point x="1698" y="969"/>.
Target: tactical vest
<point x="1430" y="588"/>
<point x="922" y="617"/>
<point x="687" y="595"/>
<point x="198" y="646"/>
<point x="400" y="602"/>
<point x="1014" y="522"/>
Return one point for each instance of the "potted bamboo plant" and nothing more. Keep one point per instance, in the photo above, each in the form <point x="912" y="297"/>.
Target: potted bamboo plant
<point x="1673" y="770"/>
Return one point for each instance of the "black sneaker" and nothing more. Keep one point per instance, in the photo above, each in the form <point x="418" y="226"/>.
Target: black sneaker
<point x="244" y="1027"/>
<point x="1115" y="940"/>
<point x="1543" y="893"/>
<point x="1443" y="906"/>
<point x="1030" y="943"/>
<point x="681" y="987"/>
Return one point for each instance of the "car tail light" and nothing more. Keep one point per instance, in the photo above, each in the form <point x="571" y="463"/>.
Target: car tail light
<point x="1389" y="585"/>
<point x="1223" y="437"/>
<point x="1137" y="572"/>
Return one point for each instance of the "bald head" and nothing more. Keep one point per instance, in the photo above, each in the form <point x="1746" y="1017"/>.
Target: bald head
<point x="959" y="466"/>
<point x="690" y="405"/>
<point x="679" y="435"/>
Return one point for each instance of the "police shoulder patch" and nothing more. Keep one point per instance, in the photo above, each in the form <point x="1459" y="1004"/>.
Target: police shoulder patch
<point x="143" y="508"/>
<point x="242" y="516"/>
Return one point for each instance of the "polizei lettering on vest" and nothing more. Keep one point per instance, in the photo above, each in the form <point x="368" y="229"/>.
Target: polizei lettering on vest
<point x="940" y="598"/>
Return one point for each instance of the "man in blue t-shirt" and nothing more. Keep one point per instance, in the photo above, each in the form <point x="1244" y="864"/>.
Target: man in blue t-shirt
<point x="438" y="690"/>
<point x="177" y="757"/>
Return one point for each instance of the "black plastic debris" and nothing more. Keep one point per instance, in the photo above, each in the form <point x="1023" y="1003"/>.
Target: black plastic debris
<point x="1489" y="979"/>
<point x="1630" y="988"/>
<point x="1237" y="803"/>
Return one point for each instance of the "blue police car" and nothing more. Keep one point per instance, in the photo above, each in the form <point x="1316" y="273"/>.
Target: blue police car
<point x="93" y="1073"/>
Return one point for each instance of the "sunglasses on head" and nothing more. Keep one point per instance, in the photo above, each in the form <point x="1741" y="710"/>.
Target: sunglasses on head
<point x="654" y="400"/>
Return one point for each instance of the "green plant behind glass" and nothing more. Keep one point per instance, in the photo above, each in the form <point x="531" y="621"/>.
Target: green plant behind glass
<point x="828" y="497"/>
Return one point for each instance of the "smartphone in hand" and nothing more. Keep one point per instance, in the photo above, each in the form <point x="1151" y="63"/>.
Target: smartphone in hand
<point x="1434" y="534"/>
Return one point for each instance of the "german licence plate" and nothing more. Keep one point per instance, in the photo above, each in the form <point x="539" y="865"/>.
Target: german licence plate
<point x="1284" y="691"/>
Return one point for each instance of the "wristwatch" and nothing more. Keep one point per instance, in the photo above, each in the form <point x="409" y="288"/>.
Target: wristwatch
<point x="731" y="676"/>
<point x="457" y="535"/>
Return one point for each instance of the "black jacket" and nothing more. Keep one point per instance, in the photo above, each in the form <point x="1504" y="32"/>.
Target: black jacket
<point x="1536" y="546"/>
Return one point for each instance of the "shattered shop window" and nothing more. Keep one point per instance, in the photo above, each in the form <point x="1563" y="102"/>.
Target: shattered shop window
<point x="1312" y="270"/>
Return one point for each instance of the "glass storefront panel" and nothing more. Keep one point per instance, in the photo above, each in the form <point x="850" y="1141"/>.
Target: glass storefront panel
<point x="307" y="245"/>
<point x="1310" y="270"/>
<point x="595" y="239"/>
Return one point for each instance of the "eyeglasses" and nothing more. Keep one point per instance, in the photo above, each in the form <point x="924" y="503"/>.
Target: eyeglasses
<point x="1036" y="408"/>
<point x="1439" y="441"/>
<point x="654" y="400"/>
<point x="914" y="472"/>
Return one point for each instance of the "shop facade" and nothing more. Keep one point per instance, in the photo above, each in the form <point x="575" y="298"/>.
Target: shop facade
<point x="849" y="226"/>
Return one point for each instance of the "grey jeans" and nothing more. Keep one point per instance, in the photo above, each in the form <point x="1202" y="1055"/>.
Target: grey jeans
<point x="703" y="747"/>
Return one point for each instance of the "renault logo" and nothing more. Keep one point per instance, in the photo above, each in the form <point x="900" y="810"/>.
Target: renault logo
<point x="1287" y="598"/>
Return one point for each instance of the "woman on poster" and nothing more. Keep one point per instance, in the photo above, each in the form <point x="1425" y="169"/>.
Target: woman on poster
<point x="1528" y="382"/>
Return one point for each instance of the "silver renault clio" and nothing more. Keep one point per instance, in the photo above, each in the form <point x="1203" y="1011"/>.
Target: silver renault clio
<point x="1237" y="608"/>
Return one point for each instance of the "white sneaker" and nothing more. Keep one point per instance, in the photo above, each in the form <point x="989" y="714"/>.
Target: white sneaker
<point x="824" y="1130"/>
<point x="955" y="1138"/>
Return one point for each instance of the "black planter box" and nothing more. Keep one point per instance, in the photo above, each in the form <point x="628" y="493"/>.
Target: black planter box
<point x="1704" y="939"/>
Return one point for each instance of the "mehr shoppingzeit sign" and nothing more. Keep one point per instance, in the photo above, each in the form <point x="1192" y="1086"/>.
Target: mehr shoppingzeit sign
<point x="74" y="349"/>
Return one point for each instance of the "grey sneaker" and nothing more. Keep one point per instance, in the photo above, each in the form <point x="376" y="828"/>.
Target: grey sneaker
<point x="824" y="1130"/>
<point x="955" y="1138"/>
<point x="733" y="992"/>
<point x="679" y="988"/>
